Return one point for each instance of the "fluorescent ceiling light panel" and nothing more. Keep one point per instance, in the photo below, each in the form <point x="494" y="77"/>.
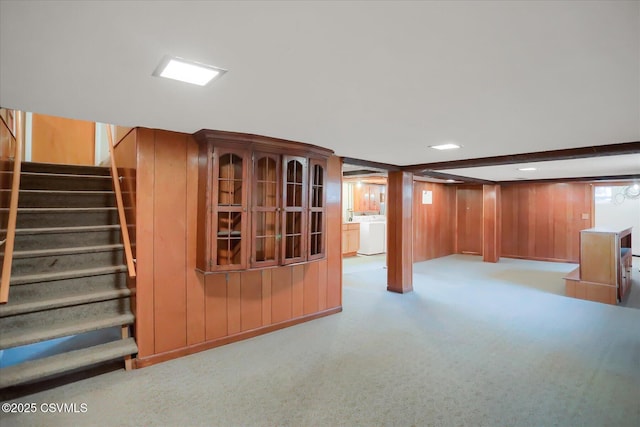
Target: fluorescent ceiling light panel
<point x="527" y="169"/>
<point x="187" y="71"/>
<point x="445" y="146"/>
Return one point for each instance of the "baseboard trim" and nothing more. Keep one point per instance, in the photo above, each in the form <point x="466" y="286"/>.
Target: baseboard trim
<point x="570" y="261"/>
<point x="143" y="362"/>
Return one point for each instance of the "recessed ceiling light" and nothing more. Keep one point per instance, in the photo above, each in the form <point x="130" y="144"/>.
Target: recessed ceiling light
<point x="527" y="169"/>
<point x="451" y="180"/>
<point x="449" y="146"/>
<point x="187" y="71"/>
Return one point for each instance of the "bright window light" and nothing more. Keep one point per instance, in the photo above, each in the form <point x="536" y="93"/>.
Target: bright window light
<point x="187" y="71"/>
<point x="527" y="169"/>
<point x="445" y="146"/>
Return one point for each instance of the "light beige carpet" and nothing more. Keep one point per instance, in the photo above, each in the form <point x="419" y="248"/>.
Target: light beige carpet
<point x="470" y="347"/>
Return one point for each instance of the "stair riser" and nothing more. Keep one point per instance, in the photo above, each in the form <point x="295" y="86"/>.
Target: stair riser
<point x="49" y="318"/>
<point x="54" y="288"/>
<point x="67" y="362"/>
<point x="65" y="169"/>
<point x="52" y="264"/>
<point x="71" y="183"/>
<point x="66" y="219"/>
<point x="32" y="297"/>
<point x="25" y="242"/>
<point x="66" y="200"/>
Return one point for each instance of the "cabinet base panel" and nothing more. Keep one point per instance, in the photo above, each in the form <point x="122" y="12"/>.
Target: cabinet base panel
<point x="591" y="291"/>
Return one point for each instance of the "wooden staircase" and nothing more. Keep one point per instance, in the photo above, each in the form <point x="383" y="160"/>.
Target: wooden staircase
<point x="68" y="273"/>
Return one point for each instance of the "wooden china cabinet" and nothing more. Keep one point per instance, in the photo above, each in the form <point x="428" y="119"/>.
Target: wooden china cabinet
<point x="261" y="202"/>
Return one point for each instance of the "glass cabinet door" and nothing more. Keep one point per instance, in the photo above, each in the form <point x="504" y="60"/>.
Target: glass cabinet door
<point x="317" y="210"/>
<point x="294" y="209"/>
<point x="229" y="209"/>
<point x="266" y="202"/>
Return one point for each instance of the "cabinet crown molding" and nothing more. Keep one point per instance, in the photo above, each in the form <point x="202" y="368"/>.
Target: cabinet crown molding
<point x="260" y="143"/>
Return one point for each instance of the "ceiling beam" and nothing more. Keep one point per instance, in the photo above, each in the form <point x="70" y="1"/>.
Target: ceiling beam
<point x="360" y="172"/>
<point x="369" y="164"/>
<point x="612" y="178"/>
<point x="540" y="156"/>
<point x="465" y="179"/>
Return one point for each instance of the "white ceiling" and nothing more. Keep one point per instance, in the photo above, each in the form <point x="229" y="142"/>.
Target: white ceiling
<point x="378" y="81"/>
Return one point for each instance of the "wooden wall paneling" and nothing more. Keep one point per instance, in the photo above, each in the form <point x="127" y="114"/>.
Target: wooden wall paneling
<point x="509" y="216"/>
<point x="400" y="232"/>
<point x="334" y="232"/>
<point x="560" y="221"/>
<point x="144" y="310"/>
<point x="250" y="300"/>
<point x="543" y="203"/>
<point x="196" y="324"/>
<point x="542" y="221"/>
<point x="122" y="132"/>
<point x="491" y="223"/>
<point x="433" y="224"/>
<point x="234" y="310"/>
<point x="310" y="293"/>
<point x="62" y="140"/>
<point x="215" y="306"/>
<point x="421" y="222"/>
<point x="530" y="211"/>
<point x="297" y="290"/>
<point x="447" y="223"/>
<point x="169" y="258"/>
<point x="281" y="294"/>
<point x="469" y="219"/>
<point x="6" y="139"/>
<point x="322" y="284"/>
<point x="266" y="296"/>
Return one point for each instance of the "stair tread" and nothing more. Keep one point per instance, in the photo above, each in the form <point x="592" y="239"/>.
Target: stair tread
<point x="68" y="274"/>
<point x="36" y="333"/>
<point x="74" y="192"/>
<point x="37" y="303"/>
<point x="75" y="229"/>
<point x="66" y="175"/>
<point x="37" y="210"/>
<point x="52" y="167"/>
<point x="65" y="251"/>
<point x="60" y="363"/>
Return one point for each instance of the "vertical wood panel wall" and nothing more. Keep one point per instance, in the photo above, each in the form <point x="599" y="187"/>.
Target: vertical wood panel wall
<point x="434" y="224"/>
<point x="543" y="221"/>
<point x="180" y="311"/>
<point x="492" y="223"/>
<point x="62" y="140"/>
<point x="469" y="206"/>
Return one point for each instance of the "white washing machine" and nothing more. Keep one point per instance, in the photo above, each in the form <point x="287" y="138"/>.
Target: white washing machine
<point x="373" y="237"/>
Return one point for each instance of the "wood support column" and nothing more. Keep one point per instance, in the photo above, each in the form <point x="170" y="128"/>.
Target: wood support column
<point x="400" y="232"/>
<point x="492" y="229"/>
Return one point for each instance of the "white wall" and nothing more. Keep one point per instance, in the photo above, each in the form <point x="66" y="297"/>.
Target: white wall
<point x="101" y="147"/>
<point x="614" y="209"/>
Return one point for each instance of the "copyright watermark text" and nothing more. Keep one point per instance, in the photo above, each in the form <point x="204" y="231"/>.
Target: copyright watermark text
<point x="45" y="408"/>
